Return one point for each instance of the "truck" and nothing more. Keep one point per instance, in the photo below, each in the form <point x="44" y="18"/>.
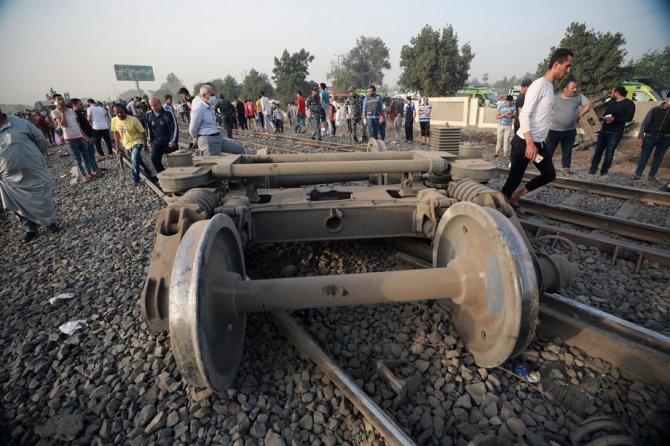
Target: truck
<point x="484" y="95"/>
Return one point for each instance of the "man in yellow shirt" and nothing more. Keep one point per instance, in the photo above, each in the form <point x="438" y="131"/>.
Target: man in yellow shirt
<point x="129" y="131"/>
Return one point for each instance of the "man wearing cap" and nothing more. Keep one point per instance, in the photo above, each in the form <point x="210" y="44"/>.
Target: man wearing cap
<point x="353" y="107"/>
<point x="519" y="102"/>
<point x="569" y="107"/>
<point x="529" y="142"/>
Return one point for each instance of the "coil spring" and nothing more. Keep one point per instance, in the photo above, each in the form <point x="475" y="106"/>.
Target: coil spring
<point x="467" y="190"/>
<point x="205" y="199"/>
<point x="472" y="191"/>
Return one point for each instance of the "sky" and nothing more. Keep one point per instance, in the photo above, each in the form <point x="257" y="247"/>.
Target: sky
<point x="72" y="45"/>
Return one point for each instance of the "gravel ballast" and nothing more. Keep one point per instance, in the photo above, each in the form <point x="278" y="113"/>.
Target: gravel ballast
<point x="112" y="382"/>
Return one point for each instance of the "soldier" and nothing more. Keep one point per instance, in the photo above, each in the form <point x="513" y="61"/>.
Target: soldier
<point x="353" y="107"/>
<point x="314" y="106"/>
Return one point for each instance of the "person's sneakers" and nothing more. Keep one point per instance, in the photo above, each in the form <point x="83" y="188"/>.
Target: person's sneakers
<point x="633" y="177"/>
<point x="153" y="179"/>
<point x="136" y="183"/>
<point x="652" y="180"/>
<point x="88" y="178"/>
<point x="591" y="172"/>
<point x="53" y="228"/>
<point x="314" y="138"/>
<point x="567" y="171"/>
<point x="495" y="155"/>
<point x="29" y="237"/>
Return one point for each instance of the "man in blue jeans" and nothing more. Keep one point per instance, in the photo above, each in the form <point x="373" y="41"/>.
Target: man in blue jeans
<point x="129" y="134"/>
<point x="619" y="111"/>
<point x="654" y="136"/>
<point x="569" y="107"/>
<point x="163" y="132"/>
<point x="372" y="108"/>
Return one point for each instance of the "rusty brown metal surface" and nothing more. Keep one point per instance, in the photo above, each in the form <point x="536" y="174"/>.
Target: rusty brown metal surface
<point x="171" y="226"/>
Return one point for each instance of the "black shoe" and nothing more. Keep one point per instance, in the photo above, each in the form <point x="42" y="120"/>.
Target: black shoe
<point x="314" y="137"/>
<point x="53" y="228"/>
<point x="153" y="179"/>
<point x="29" y="237"/>
<point x="136" y="183"/>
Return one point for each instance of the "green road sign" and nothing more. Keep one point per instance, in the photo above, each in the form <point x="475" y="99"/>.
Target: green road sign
<point x="134" y="72"/>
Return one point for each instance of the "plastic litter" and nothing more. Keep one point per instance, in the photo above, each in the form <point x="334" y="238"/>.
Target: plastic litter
<point x="52" y="300"/>
<point x="70" y="327"/>
<point x="531" y="377"/>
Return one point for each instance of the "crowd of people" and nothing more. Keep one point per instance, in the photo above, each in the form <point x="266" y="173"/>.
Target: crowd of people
<point x="530" y="129"/>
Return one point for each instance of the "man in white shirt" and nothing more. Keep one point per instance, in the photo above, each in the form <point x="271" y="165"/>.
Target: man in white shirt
<point x="97" y="116"/>
<point x="205" y="131"/>
<point x="528" y="143"/>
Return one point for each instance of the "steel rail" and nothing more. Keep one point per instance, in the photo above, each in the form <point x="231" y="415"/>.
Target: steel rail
<point x="391" y="432"/>
<point x="627" y="228"/>
<point x="308" y="142"/>
<point x="608" y="190"/>
<point x="617" y="248"/>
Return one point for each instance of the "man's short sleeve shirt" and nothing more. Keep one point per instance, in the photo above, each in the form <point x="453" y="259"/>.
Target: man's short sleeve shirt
<point x="130" y="129"/>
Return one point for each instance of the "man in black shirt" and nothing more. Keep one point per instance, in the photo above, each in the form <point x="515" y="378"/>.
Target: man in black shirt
<point x="162" y="131"/>
<point x="619" y="111"/>
<point x="654" y="136"/>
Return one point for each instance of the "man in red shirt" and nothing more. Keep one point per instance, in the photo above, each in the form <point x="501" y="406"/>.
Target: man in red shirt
<point x="301" y="112"/>
<point x="250" y="113"/>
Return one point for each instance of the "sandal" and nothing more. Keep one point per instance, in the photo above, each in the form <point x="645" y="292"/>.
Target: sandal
<point x="517" y="209"/>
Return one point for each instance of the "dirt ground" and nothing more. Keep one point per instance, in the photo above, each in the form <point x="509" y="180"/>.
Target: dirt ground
<point x="625" y="157"/>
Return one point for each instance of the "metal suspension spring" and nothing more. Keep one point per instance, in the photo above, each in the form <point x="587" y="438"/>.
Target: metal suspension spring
<point x="206" y="199"/>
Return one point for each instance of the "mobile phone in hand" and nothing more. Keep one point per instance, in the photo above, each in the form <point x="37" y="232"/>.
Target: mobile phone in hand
<point x="538" y="158"/>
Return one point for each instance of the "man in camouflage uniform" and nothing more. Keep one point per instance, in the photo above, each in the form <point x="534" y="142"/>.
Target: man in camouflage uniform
<point x="353" y="107"/>
<point x="313" y="104"/>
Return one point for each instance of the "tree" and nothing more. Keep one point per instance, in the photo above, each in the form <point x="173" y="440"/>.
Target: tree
<point x="171" y="86"/>
<point x="254" y="83"/>
<point x="598" y="58"/>
<point x="230" y="88"/>
<point x="654" y="63"/>
<point x="433" y="64"/>
<point x="363" y="65"/>
<point x="290" y="74"/>
<point x="216" y="83"/>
